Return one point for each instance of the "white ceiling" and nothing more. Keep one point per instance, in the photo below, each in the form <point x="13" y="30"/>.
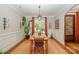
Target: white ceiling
<point x="33" y="10"/>
<point x="75" y="8"/>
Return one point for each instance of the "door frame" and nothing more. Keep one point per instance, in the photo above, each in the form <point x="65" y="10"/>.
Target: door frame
<point x="45" y="25"/>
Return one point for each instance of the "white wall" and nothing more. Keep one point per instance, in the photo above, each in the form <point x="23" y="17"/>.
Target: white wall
<point x="59" y="33"/>
<point x="49" y="20"/>
<point x="13" y="34"/>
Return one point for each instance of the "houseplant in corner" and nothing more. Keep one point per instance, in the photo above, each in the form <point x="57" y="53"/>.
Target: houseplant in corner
<point x="26" y="27"/>
<point x="3" y="52"/>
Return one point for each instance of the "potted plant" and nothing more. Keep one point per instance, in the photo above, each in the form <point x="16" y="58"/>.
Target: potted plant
<point x="23" y="20"/>
<point x="3" y="52"/>
<point x="26" y="27"/>
<point x="51" y="36"/>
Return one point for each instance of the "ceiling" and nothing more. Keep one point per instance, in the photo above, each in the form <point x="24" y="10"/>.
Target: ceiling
<point x="75" y="8"/>
<point x="33" y="9"/>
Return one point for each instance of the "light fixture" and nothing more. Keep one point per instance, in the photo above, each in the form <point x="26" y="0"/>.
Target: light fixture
<point x="39" y="16"/>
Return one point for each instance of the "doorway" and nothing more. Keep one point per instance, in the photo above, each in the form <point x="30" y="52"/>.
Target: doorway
<point x="72" y="29"/>
<point x="39" y="25"/>
<point x="43" y="26"/>
<point x="70" y="33"/>
<point x="69" y="28"/>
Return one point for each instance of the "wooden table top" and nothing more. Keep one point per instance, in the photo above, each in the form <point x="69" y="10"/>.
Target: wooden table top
<point x="38" y="37"/>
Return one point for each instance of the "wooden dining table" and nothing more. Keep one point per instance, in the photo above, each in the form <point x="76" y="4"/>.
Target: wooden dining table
<point x="33" y="39"/>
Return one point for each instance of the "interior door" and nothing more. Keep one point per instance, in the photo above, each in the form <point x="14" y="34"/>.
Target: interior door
<point x="69" y="28"/>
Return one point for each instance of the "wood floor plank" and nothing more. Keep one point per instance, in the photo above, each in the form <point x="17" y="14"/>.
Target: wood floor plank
<point x="53" y="48"/>
<point x="73" y="46"/>
<point x="23" y="48"/>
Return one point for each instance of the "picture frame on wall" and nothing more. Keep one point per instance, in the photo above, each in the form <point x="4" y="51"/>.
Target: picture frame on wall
<point x="5" y="23"/>
<point x="57" y="24"/>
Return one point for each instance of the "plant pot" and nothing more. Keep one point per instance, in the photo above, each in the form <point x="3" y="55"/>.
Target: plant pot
<point x="51" y="36"/>
<point x="27" y="36"/>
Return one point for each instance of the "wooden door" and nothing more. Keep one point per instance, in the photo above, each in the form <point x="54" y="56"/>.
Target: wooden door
<point x="69" y="28"/>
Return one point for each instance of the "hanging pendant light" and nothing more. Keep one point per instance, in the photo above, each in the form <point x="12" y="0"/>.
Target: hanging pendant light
<point x="39" y="17"/>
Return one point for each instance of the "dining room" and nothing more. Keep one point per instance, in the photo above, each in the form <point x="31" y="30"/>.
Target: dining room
<point x="38" y="30"/>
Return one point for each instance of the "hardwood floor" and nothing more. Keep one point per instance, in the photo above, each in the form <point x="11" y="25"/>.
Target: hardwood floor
<point x="73" y="46"/>
<point x="53" y="48"/>
<point x="23" y="48"/>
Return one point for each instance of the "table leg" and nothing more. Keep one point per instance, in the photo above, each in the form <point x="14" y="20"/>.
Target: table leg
<point x="46" y="46"/>
<point x="31" y="46"/>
